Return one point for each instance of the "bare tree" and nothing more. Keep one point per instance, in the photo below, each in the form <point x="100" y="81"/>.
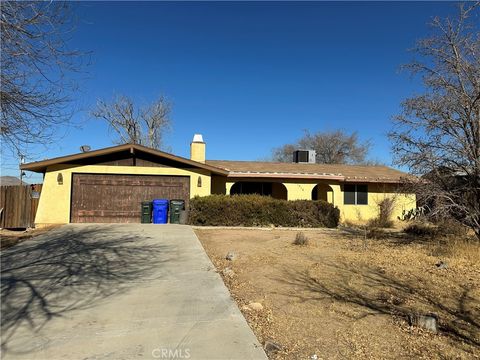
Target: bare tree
<point x="35" y="61"/>
<point x="156" y="119"/>
<point x="336" y="147"/>
<point x="135" y="124"/>
<point x="438" y="132"/>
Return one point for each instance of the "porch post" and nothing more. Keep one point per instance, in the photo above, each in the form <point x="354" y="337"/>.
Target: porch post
<point x="228" y="187"/>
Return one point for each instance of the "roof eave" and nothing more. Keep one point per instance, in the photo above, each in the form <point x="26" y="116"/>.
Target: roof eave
<point x="378" y="181"/>
<point x="310" y="177"/>
<point x="284" y="176"/>
<point x="41" y="166"/>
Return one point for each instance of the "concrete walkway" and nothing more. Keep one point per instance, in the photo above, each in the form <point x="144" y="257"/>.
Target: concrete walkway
<point x="118" y="292"/>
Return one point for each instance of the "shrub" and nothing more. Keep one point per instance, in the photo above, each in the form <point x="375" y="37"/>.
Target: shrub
<point x="446" y="228"/>
<point x="385" y="211"/>
<point x="455" y="247"/>
<point x="376" y="233"/>
<point x="300" y="239"/>
<point x="451" y="227"/>
<point x="256" y="210"/>
<point x="421" y="229"/>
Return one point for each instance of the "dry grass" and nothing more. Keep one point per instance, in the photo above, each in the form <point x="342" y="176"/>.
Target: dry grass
<point x="377" y="233"/>
<point x="446" y="228"/>
<point x="9" y="238"/>
<point x="301" y="239"/>
<point x="421" y="229"/>
<point x="460" y="249"/>
<point x="339" y="299"/>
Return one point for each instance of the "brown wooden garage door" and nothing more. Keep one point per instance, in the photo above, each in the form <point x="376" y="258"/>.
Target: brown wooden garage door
<point x="109" y="198"/>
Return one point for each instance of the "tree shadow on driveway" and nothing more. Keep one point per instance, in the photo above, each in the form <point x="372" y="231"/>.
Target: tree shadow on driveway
<point x="71" y="268"/>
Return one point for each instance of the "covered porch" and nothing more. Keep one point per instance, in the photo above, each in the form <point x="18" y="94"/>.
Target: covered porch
<point x="284" y="189"/>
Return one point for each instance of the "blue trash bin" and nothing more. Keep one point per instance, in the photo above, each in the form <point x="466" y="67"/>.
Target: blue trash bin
<point x="160" y="211"/>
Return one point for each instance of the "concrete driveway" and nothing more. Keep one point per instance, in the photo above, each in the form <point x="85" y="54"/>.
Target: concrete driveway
<point x="118" y="292"/>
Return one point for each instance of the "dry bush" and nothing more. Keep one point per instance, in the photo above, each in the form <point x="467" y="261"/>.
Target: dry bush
<point x="466" y="248"/>
<point x="452" y="241"/>
<point x="301" y="239"/>
<point x="376" y="233"/>
<point x="385" y="212"/>
<point x="449" y="227"/>
<point x="442" y="228"/>
<point x="349" y="224"/>
<point x="422" y="229"/>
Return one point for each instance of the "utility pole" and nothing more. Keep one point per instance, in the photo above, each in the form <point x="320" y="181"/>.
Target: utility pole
<point x="22" y="161"/>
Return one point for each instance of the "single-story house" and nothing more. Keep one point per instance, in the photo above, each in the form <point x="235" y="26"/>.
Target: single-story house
<point x="108" y="185"/>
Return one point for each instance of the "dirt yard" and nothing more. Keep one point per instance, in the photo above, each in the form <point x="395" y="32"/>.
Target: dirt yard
<point x="9" y="238"/>
<point x="341" y="297"/>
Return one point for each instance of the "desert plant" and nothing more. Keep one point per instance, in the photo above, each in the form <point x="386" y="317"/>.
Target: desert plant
<point x="412" y="214"/>
<point x="301" y="239"/>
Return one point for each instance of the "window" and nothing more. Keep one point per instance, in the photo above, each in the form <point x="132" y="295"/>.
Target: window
<point x="355" y="194"/>
<point x="245" y="187"/>
<point x="362" y="195"/>
<point x="349" y="194"/>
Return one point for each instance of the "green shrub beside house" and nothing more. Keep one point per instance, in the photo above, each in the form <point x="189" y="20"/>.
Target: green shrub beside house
<point x="256" y="210"/>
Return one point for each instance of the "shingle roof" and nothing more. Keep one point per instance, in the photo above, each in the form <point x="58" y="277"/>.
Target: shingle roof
<point x="352" y="173"/>
<point x="248" y="169"/>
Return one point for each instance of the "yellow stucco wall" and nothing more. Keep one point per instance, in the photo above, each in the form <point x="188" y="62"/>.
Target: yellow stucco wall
<point x="54" y="204"/>
<point x="302" y="190"/>
<point x="377" y="193"/>
<point x="198" y="151"/>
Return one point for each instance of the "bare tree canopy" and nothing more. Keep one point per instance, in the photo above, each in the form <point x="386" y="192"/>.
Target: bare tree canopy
<point x="336" y="147"/>
<point x="35" y="62"/>
<point x="144" y="125"/>
<point x="438" y="132"/>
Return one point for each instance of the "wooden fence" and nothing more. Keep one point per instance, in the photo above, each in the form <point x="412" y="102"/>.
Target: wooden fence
<point x="18" y="204"/>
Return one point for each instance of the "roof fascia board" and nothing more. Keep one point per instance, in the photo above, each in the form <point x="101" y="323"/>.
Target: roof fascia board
<point x="285" y="176"/>
<point x="309" y="176"/>
<point x="39" y="165"/>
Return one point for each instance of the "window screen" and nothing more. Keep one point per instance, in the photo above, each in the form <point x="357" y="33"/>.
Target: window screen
<point x="349" y="194"/>
<point x="355" y="194"/>
<point x="362" y="195"/>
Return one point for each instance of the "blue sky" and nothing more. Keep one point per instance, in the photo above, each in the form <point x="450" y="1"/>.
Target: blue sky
<point x="249" y="76"/>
